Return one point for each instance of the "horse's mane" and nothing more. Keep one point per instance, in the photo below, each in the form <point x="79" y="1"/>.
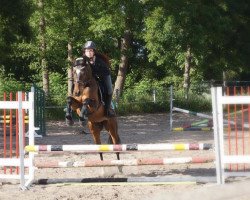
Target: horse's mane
<point x="104" y="57"/>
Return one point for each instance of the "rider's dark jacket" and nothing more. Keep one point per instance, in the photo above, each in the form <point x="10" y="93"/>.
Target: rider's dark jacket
<point x="100" y="68"/>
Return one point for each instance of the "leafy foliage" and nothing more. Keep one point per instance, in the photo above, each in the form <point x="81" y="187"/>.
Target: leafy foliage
<point x="216" y="31"/>
<point x="8" y="84"/>
<point x="58" y="90"/>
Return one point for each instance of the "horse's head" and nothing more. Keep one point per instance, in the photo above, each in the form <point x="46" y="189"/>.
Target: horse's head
<point x="82" y="74"/>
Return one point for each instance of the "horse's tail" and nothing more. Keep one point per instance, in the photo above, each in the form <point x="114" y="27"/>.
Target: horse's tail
<point x="104" y="57"/>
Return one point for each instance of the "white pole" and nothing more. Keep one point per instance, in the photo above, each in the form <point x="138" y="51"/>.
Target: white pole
<point x="21" y="134"/>
<point x="217" y="109"/>
<point x="221" y="132"/>
<point x="31" y="136"/>
<point x="171" y="108"/>
<point x="154" y="97"/>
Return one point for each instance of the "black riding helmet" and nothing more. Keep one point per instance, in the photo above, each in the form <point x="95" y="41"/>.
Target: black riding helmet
<point x="89" y="45"/>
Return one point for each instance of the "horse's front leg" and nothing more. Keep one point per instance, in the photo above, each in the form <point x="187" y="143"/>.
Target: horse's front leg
<point x="72" y="105"/>
<point x="82" y="117"/>
<point x="84" y="112"/>
<point x="68" y="115"/>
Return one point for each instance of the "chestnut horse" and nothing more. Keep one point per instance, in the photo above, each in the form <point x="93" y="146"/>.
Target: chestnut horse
<point x="87" y="102"/>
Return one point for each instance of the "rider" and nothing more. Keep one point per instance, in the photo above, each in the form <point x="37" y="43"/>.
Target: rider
<point x="100" y="69"/>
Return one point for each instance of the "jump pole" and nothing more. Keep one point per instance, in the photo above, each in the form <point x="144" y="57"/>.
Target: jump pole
<point x="130" y="180"/>
<point x="119" y="147"/>
<point x="131" y="162"/>
<point x="192" y="113"/>
<point x="193" y="129"/>
<point x="204" y="121"/>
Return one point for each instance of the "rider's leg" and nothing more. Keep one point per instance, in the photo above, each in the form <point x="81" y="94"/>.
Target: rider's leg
<point x="108" y="100"/>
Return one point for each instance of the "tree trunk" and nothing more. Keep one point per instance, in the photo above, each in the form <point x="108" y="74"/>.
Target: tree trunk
<point x="121" y="76"/>
<point x="188" y="60"/>
<point x="70" y="69"/>
<point x="44" y="63"/>
<point x="70" y="11"/>
<point x="45" y="77"/>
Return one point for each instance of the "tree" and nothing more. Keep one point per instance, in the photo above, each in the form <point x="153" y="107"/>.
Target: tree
<point x="69" y="31"/>
<point x="43" y="60"/>
<point x="15" y="33"/>
<point x="169" y="41"/>
<point x="63" y="35"/>
<point x="114" y="25"/>
<point x="214" y="32"/>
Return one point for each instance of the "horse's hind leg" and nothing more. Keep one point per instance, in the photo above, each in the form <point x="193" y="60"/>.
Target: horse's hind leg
<point x="95" y="130"/>
<point x="112" y="127"/>
<point x="110" y="141"/>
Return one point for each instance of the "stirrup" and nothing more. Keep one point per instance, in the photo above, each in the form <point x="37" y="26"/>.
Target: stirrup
<point x="110" y="113"/>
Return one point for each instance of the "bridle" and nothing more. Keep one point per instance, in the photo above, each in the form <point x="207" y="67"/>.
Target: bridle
<point x="87" y="102"/>
<point x="78" y="81"/>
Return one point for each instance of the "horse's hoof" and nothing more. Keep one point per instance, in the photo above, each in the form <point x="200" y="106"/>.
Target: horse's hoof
<point x="101" y="156"/>
<point x="118" y="156"/>
<point x="69" y="122"/>
<point x="83" y="121"/>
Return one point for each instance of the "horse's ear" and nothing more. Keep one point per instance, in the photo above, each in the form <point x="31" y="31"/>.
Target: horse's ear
<point x="79" y="61"/>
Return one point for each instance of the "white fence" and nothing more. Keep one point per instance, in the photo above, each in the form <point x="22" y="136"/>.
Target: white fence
<point x="219" y="101"/>
<point x="221" y="158"/>
<point x="19" y="160"/>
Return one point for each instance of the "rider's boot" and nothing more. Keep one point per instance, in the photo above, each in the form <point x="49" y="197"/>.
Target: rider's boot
<point x="109" y="111"/>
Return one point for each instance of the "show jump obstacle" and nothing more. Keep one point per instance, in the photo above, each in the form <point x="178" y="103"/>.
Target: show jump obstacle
<point x="18" y="166"/>
<point x="207" y="123"/>
<point x="203" y="125"/>
<point x="15" y="158"/>
<point x="223" y="156"/>
<point x="237" y="143"/>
